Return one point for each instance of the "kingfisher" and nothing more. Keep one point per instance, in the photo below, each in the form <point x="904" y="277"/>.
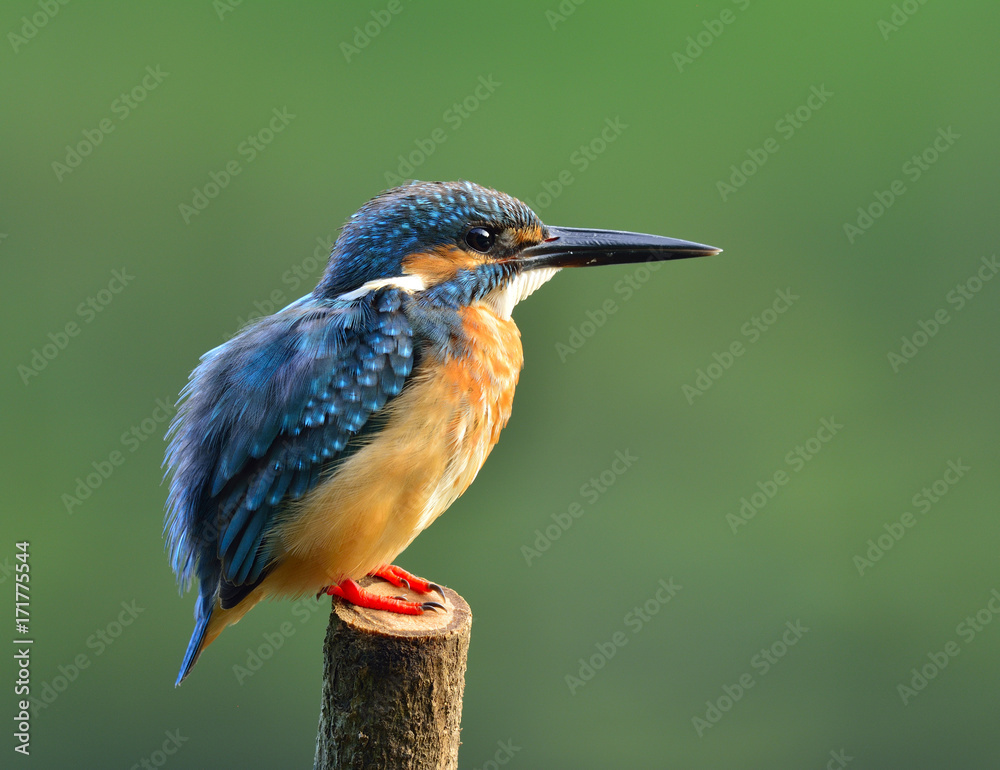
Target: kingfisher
<point x="311" y="448"/>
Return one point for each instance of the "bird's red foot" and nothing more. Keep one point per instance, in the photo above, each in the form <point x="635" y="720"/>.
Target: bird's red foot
<point x="350" y="591"/>
<point x="400" y="578"/>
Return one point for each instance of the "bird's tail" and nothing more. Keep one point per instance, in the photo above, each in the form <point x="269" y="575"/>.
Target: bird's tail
<point x="210" y="619"/>
<point x="203" y="610"/>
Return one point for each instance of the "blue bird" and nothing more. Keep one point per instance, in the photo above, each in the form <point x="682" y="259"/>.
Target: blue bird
<point x="315" y="445"/>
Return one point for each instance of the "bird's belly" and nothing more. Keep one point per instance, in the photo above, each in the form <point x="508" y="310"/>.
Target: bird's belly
<point x="437" y="436"/>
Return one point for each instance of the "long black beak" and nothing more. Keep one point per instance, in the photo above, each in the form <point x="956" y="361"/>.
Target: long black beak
<point x="576" y="247"/>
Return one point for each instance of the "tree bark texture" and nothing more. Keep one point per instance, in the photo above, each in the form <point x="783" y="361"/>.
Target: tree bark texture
<point x="393" y="685"/>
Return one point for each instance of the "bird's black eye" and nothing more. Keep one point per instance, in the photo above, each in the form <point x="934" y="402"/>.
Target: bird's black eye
<point x="480" y="239"/>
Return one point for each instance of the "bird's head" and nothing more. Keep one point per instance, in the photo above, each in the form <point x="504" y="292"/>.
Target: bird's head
<point x="457" y="242"/>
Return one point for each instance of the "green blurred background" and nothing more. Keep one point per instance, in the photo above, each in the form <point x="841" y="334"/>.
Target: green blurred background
<point x="693" y="89"/>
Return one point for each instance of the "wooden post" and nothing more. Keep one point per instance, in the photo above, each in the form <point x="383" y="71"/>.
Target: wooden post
<point x="393" y="685"/>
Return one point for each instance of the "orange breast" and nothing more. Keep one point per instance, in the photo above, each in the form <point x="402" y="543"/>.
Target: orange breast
<point x="473" y="399"/>
<point x="438" y="434"/>
<point x="488" y="375"/>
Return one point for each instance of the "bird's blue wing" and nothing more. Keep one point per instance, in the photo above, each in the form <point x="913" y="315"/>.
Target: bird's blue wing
<point x="265" y="416"/>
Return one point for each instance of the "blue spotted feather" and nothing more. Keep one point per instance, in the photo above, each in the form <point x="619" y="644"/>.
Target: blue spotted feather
<point x="265" y="416"/>
<point x="270" y="413"/>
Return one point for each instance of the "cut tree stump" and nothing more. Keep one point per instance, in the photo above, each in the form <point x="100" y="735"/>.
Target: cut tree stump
<point x="393" y="684"/>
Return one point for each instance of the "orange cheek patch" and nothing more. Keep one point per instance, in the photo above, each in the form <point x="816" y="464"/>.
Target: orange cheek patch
<point x="528" y="235"/>
<point x="439" y="264"/>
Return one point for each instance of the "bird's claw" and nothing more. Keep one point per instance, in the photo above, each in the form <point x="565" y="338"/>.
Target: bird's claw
<point x="354" y="594"/>
<point x="436" y="587"/>
<point x="400" y="578"/>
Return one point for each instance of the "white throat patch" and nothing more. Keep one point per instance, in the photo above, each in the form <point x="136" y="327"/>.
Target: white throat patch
<point x="502" y="300"/>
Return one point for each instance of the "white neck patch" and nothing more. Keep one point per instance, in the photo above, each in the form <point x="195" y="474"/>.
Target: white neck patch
<point x="408" y="283"/>
<point x="503" y="300"/>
